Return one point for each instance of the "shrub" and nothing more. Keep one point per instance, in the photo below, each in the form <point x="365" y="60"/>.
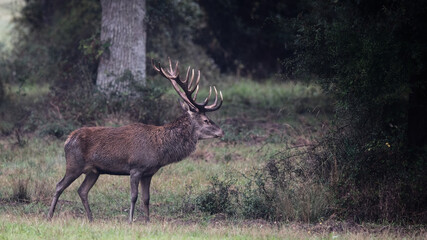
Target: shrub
<point x="255" y="204"/>
<point x="58" y="128"/>
<point x="218" y="198"/>
<point x="369" y="178"/>
<point x="286" y="189"/>
<point x="20" y="191"/>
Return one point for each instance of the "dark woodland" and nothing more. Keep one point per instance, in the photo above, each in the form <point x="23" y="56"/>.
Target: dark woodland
<point x="362" y="63"/>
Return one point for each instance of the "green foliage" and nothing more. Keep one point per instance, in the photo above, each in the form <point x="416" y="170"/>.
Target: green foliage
<point x="369" y="57"/>
<point x="81" y="104"/>
<point x="58" y="128"/>
<point x="255" y="204"/>
<point x="143" y="104"/>
<point x="84" y="104"/>
<point x="49" y="37"/>
<point x="15" y="111"/>
<point x="93" y="47"/>
<point x="218" y="198"/>
<point x="285" y="189"/>
<point x="55" y="36"/>
<point x="5" y="73"/>
<point x="173" y="27"/>
<point x="370" y="180"/>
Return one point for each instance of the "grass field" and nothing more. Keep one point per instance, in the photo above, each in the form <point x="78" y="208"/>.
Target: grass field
<point x="30" y="227"/>
<point x="260" y="122"/>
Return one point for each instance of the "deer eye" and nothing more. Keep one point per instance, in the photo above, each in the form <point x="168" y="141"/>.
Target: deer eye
<point x="206" y="121"/>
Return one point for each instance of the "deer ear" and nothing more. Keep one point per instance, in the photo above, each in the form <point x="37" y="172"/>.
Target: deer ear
<point x="184" y="106"/>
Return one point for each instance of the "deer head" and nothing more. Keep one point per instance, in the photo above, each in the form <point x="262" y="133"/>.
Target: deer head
<point x="187" y="89"/>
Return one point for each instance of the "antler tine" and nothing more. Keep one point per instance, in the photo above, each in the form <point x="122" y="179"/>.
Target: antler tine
<point x="173" y="73"/>
<point x="173" y="77"/>
<point x="161" y="70"/>
<point x="195" y="94"/>
<point x="186" y="88"/>
<point x="214" y="106"/>
<point x="154" y="66"/>
<point x="176" y="71"/>
<point x="207" y="98"/>
<point x="191" y="89"/>
<point x="190" y="83"/>
<point x="216" y="97"/>
<point x="191" y="79"/>
<point x="187" y="75"/>
<point x="170" y="65"/>
<point x="165" y="74"/>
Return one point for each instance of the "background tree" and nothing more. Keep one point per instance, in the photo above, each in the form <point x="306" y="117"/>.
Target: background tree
<point x="58" y="43"/>
<point x="123" y="27"/>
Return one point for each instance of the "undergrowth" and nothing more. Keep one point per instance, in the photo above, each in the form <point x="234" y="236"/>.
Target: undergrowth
<point x="283" y="189"/>
<point x="251" y="147"/>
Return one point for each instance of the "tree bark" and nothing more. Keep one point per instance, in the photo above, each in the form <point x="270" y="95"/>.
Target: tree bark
<point x="124" y="28"/>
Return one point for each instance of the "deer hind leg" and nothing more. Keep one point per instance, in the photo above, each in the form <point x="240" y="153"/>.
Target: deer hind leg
<point x="135" y="177"/>
<point x="145" y="191"/>
<point x="60" y="187"/>
<point x="84" y="189"/>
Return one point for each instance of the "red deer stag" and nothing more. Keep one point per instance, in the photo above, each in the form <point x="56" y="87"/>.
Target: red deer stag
<point x="139" y="150"/>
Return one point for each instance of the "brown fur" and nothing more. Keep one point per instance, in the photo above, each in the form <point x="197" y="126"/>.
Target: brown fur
<point x="138" y="145"/>
<point x="138" y="150"/>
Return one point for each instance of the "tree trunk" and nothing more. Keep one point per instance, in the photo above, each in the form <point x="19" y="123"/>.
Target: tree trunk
<point x="124" y="28"/>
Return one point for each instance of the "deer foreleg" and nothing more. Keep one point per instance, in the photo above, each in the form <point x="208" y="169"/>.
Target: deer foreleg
<point x="135" y="177"/>
<point x="145" y="203"/>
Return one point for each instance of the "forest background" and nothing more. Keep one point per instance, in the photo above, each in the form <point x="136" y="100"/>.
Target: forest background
<point x="325" y="108"/>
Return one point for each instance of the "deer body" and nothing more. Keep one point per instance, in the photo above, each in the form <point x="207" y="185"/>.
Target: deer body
<point x="137" y="146"/>
<point x="137" y="150"/>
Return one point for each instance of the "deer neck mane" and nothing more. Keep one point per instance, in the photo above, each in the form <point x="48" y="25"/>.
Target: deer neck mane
<point x="180" y="139"/>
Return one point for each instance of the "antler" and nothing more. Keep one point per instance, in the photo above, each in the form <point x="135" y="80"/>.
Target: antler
<point x="185" y="88"/>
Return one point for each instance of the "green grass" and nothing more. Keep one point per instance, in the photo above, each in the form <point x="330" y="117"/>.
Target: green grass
<point x="36" y="228"/>
<point x="282" y="100"/>
<point x="260" y="121"/>
<point x="269" y="95"/>
<point x="30" y="91"/>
